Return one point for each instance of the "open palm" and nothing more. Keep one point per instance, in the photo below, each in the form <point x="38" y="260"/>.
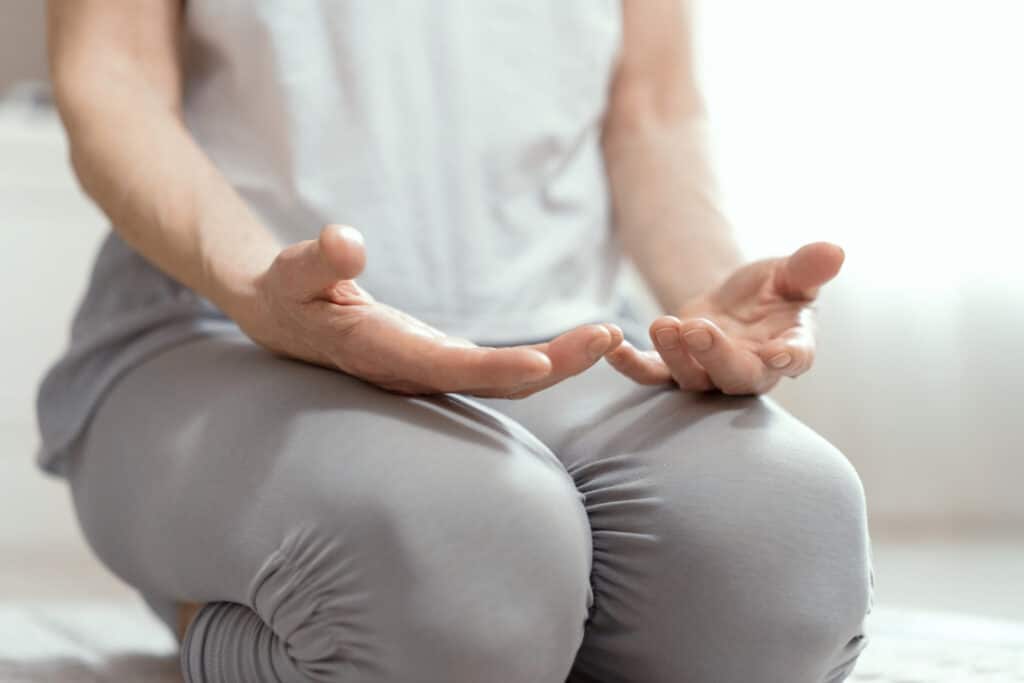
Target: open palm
<point x="743" y="336"/>
<point x="312" y="309"/>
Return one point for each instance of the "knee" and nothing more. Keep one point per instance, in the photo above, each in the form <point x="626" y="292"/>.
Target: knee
<point x="815" y="515"/>
<point x="780" y="553"/>
<point x="815" y="581"/>
<point x="508" y="577"/>
<point x="475" y="572"/>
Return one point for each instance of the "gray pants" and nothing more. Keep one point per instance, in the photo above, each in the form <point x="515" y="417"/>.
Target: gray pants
<point x="599" y="531"/>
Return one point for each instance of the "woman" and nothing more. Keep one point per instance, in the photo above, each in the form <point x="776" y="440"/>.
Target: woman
<point x="322" y="478"/>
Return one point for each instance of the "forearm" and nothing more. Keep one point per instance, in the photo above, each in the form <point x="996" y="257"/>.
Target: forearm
<point x="164" y="197"/>
<point x="666" y="207"/>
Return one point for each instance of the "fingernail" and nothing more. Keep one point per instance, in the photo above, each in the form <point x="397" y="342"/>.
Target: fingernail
<point x="597" y="347"/>
<point x="614" y="330"/>
<point x="668" y="338"/>
<point x="780" y="361"/>
<point x="698" y="340"/>
<point x="539" y="368"/>
<point x="350" y="233"/>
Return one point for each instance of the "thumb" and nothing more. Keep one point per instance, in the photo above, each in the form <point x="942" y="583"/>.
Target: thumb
<point x="340" y="253"/>
<point x="800" y="275"/>
<point x="315" y="265"/>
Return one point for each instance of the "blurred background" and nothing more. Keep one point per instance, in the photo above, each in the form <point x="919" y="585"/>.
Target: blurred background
<point x="892" y="127"/>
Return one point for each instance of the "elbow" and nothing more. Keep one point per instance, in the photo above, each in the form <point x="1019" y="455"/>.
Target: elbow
<point x="78" y="160"/>
<point x="73" y="105"/>
<point x="88" y="123"/>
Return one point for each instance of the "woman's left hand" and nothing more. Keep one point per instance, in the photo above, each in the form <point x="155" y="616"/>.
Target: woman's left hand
<point x="742" y="337"/>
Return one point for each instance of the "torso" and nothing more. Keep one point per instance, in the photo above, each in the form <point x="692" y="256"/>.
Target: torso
<point x="461" y="137"/>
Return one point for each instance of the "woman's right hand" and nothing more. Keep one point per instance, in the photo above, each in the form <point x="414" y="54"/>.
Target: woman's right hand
<point x="308" y="306"/>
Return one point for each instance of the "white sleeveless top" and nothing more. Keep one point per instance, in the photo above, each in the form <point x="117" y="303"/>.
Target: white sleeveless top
<point x="462" y="137"/>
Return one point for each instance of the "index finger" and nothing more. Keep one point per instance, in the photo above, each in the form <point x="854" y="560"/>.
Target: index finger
<point x="572" y="353"/>
<point x="482" y="370"/>
<point x="518" y="371"/>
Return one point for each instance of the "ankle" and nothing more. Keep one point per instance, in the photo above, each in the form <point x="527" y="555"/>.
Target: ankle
<point x="186" y="613"/>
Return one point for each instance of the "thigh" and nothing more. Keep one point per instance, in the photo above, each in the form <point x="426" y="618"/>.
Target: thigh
<point x="727" y="536"/>
<point x="208" y="461"/>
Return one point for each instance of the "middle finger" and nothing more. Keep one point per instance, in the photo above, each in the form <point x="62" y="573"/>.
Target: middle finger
<point x="732" y="369"/>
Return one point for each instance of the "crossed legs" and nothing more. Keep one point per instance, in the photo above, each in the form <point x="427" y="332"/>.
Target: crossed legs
<point x="596" y="531"/>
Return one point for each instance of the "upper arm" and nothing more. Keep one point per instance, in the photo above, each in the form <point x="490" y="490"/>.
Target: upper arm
<point x="656" y="73"/>
<point x="96" y="44"/>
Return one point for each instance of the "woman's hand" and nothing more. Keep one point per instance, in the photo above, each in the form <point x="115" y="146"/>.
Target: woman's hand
<point x="742" y="337"/>
<point x="308" y="306"/>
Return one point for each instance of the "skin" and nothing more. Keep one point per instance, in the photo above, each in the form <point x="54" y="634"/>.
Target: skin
<point x="742" y="336"/>
<point x="115" y="66"/>
<point x="733" y="328"/>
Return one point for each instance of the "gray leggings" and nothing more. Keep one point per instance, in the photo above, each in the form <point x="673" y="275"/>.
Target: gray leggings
<point x="599" y="531"/>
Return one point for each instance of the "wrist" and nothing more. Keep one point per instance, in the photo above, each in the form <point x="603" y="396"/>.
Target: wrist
<point x="234" y="285"/>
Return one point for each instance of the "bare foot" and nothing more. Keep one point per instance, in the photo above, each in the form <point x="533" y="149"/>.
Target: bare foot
<point x="186" y="613"/>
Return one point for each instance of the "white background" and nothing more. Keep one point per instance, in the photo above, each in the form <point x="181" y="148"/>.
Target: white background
<point x="895" y="128"/>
